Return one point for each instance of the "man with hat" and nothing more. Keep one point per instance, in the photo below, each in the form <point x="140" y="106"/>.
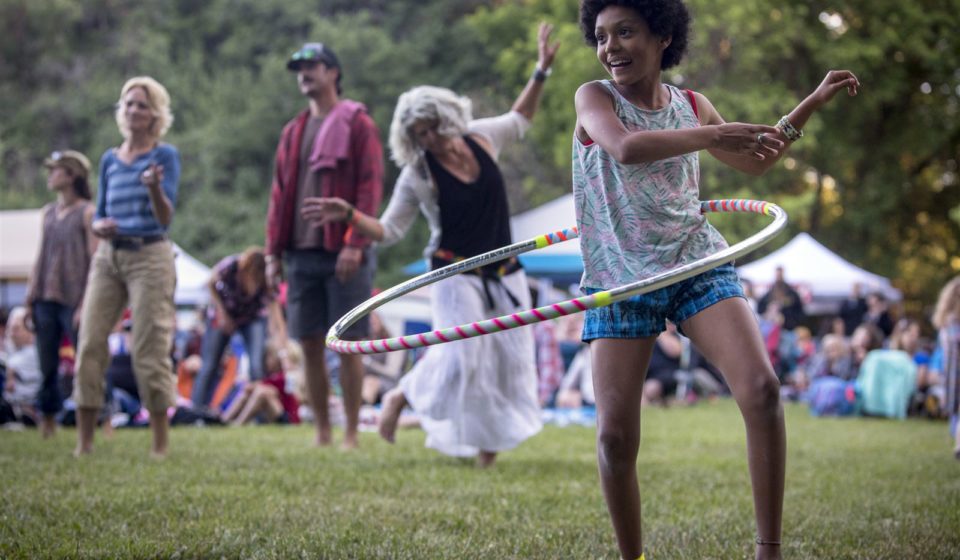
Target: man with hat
<point x="59" y="277"/>
<point x="332" y="148"/>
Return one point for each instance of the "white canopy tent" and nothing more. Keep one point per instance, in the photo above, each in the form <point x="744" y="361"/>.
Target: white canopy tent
<point x="20" y="244"/>
<point x="192" y="279"/>
<point x="819" y="274"/>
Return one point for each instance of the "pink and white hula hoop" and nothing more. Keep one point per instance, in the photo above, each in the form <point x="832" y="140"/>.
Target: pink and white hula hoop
<point x="530" y="316"/>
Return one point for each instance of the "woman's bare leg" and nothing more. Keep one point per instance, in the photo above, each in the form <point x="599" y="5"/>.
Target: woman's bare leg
<point x="728" y="336"/>
<point x="393" y="403"/>
<point x="619" y="368"/>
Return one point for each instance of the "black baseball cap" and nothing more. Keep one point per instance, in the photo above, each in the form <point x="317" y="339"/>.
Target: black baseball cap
<point x="313" y="52"/>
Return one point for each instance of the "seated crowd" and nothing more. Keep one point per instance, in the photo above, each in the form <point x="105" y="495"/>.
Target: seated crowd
<point x="235" y="365"/>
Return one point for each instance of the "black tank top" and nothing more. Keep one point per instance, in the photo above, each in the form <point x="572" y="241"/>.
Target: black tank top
<point x="474" y="217"/>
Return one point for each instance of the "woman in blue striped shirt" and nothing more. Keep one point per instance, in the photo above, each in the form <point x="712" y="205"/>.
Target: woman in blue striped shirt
<point x="134" y="265"/>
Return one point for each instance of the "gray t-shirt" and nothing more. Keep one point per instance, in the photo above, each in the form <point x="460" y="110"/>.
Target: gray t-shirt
<point x="309" y="183"/>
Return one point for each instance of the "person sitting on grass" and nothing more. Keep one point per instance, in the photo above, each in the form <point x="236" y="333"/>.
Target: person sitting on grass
<point x="661" y="382"/>
<point x="865" y="338"/>
<point x="268" y="399"/>
<point x="23" y="379"/>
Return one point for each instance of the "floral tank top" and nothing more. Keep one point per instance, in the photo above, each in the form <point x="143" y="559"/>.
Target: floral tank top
<point x="638" y="220"/>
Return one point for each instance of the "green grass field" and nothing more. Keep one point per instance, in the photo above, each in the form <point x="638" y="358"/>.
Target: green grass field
<point x="856" y="488"/>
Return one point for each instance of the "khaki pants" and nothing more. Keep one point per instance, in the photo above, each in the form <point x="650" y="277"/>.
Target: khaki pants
<point x="146" y="279"/>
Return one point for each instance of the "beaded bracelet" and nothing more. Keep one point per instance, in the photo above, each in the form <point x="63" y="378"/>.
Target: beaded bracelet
<point x="788" y="129"/>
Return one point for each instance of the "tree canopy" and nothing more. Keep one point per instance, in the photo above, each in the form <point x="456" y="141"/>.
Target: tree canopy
<point x="875" y="177"/>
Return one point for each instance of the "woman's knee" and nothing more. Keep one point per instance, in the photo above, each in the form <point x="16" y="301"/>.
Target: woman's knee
<point x="617" y="448"/>
<point x="761" y="393"/>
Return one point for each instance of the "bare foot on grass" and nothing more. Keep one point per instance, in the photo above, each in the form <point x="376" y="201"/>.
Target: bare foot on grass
<point x="486" y="459"/>
<point x="323" y="438"/>
<point x="393" y="403"/>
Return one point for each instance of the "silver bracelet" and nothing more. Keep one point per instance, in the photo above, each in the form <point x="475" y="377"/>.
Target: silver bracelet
<point x="789" y="130"/>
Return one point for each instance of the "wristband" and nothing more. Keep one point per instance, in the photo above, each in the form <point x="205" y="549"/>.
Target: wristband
<point x="788" y="129"/>
<point x="349" y="218"/>
<point x="355" y="217"/>
<point x="541" y="75"/>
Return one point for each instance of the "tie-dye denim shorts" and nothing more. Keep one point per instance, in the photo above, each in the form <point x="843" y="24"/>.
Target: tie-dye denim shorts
<point x="645" y="315"/>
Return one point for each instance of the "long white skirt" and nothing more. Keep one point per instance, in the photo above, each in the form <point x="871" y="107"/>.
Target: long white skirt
<point x="479" y="393"/>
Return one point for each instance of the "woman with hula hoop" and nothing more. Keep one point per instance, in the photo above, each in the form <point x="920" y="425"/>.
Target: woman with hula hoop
<point x="477" y="397"/>
<point x="635" y="177"/>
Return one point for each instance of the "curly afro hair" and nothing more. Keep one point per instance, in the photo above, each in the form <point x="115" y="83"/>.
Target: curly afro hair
<point x="665" y="18"/>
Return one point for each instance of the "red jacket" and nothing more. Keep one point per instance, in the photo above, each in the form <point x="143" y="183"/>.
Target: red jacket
<point x="358" y="180"/>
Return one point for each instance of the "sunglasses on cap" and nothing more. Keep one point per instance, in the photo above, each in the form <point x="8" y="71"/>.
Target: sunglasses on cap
<point x="313" y="52"/>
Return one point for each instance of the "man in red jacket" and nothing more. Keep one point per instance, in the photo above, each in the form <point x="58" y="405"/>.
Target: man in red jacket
<point x="332" y="148"/>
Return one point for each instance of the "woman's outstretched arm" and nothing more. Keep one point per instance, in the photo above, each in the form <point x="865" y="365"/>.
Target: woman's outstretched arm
<point x="529" y="98"/>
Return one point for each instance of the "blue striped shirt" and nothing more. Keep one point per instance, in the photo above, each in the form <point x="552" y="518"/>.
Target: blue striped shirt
<point x="123" y="196"/>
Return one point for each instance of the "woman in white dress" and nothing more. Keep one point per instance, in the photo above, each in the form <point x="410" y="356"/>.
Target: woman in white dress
<point x="475" y="397"/>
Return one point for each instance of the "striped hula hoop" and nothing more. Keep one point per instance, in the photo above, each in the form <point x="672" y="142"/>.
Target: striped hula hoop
<point x="531" y="316"/>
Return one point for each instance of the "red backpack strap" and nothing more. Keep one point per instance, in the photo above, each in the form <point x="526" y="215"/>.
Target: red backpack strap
<point x="693" y="101"/>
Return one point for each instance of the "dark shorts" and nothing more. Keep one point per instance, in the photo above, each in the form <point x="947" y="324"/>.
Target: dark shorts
<point x="645" y="315"/>
<point x="316" y="299"/>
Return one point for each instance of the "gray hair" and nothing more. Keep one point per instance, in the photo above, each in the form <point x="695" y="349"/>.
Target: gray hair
<point x="450" y="111"/>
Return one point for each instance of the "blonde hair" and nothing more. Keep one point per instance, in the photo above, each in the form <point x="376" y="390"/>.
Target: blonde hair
<point x="432" y="104"/>
<point x="159" y="101"/>
<point x="948" y="304"/>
